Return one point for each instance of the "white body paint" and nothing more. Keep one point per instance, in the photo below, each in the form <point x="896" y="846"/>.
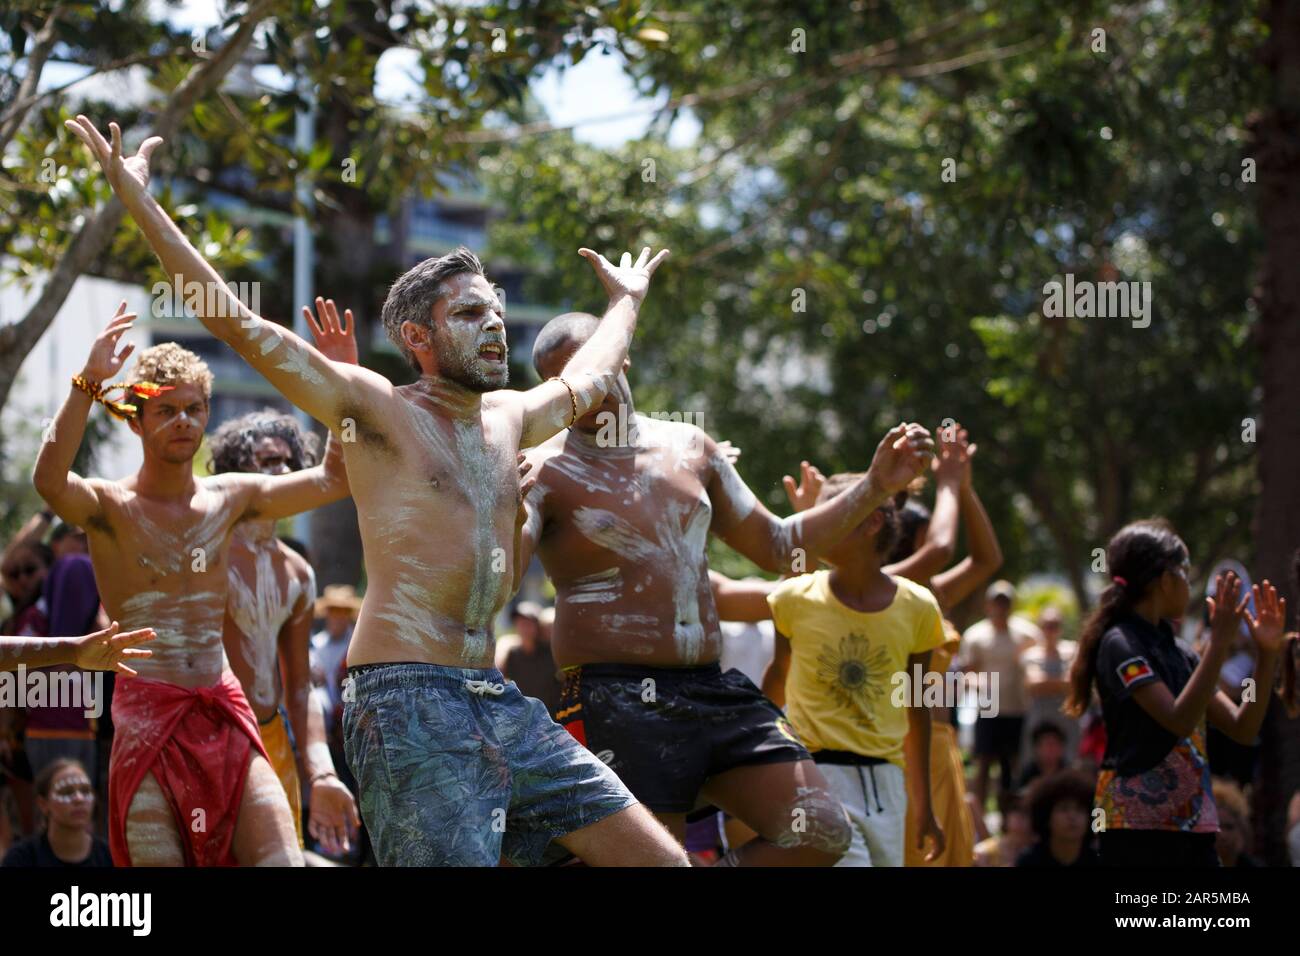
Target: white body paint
<point x="259" y="609"/>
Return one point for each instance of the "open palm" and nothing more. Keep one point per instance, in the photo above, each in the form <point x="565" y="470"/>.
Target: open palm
<point x="1267" y="629"/>
<point x="128" y="175"/>
<point x="335" y="337"/>
<point x="627" y="278"/>
<point x="107" y="650"/>
<point x="105" y="360"/>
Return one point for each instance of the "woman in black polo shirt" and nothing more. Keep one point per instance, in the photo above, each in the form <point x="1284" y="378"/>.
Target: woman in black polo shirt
<point x="1154" y="787"/>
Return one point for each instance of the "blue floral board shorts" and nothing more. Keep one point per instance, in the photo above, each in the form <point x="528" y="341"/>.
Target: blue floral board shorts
<point x="456" y="767"/>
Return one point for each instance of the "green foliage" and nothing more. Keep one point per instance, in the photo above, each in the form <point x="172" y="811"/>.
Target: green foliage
<point x="820" y="174"/>
<point x="1033" y="599"/>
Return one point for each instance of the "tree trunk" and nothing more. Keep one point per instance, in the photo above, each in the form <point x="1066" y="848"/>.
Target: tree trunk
<point x="1276" y="136"/>
<point x="19" y="338"/>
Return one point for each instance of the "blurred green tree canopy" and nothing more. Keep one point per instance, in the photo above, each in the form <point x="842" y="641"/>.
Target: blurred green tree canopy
<point x="818" y="181"/>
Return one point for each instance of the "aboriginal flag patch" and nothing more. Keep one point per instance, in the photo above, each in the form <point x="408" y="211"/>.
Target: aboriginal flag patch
<point x="1133" y="670"/>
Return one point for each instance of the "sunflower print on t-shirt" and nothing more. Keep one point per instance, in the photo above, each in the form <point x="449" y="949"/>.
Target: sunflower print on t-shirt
<point x="855" y="674"/>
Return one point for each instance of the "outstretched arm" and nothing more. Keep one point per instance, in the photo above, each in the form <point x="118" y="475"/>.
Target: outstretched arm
<point x="105" y="650"/>
<point x="332" y="807"/>
<point x="950" y="465"/>
<point x="741" y="600"/>
<point x="280" y="496"/>
<point x="551" y="407"/>
<point x="69" y="495"/>
<point x="300" y="373"/>
<point x="952" y="586"/>
<point x="792" y="544"/>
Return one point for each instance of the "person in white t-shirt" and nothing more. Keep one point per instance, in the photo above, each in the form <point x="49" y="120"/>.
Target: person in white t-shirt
<point x="994" y="647"/>
<point x="1047" y="682"/>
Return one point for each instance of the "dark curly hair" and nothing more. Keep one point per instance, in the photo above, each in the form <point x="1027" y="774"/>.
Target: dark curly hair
<point x="837" y="484"/>
<point x="1068" y="786"/>
<point x="232" y="444"/>
<point x="912" y="516"/>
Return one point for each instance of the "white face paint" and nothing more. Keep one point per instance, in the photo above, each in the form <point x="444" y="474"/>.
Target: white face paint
<point x="180" y="418"/>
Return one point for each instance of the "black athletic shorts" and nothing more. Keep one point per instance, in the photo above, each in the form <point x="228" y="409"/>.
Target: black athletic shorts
<point x="666" y="730"/>
<point x="998" y="736"/>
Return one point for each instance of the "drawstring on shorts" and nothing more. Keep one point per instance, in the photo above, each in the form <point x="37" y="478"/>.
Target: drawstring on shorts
<point x="482" y="687"/>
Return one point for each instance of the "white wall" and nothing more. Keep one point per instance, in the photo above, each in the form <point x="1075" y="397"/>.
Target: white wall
<point x="45" y="377"/>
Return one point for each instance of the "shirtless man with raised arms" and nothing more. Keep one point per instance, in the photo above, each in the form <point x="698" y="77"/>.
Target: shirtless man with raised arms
<point x="452" y="766"/>
<point x="620" y="522"/>
<point x="189" y="782"/>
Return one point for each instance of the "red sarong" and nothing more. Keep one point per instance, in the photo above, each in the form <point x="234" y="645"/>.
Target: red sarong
<point x="197" y="741"/>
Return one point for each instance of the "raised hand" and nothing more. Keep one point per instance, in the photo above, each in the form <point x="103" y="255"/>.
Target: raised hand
<point x="128" y="175"/>
<point x="729" y="451"/>
<point x="627" y="278"/>
<point x="105" y="360"/>
<point x="1225" y="611"/>
<point x="968" y="455"/>
<point x="951" y="464"/>
<point x="804" y="495"/>
<point x="335" y="338"/>
<point x="525" y="485"/>
<point x="1269" y="629"/>
<point x="904" y="453"/>
<point x="107" y="650"/>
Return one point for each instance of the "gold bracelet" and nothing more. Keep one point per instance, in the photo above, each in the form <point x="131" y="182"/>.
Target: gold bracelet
<point x="573" y="398"/>
<point x="84" y="384"/>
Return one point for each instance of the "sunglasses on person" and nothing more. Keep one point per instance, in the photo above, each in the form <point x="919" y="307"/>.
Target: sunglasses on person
<point x="26" y="570"/>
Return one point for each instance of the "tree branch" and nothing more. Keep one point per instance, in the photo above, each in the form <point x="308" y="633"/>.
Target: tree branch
<point x="35" y="65"/>
<point x="18" y="339"/>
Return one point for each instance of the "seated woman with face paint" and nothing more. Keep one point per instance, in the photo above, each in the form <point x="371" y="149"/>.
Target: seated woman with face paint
<point x="67" y="802"/>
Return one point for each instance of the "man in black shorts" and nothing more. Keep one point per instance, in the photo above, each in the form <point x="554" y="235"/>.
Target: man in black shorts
<point x="620" y="514"/>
